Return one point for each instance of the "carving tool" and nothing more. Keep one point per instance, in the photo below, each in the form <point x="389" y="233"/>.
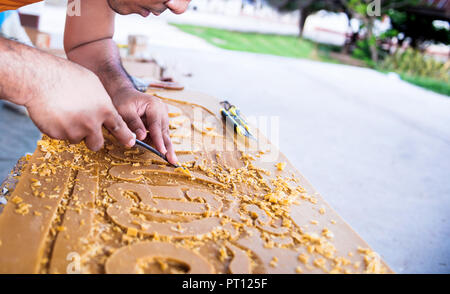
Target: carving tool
<point x="142" y="85"/>
<point x="150" y="148"/>
<point x="233" y="115"/>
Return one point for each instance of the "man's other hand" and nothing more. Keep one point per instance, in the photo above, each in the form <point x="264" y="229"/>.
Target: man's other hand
<point x="144" y="112"/>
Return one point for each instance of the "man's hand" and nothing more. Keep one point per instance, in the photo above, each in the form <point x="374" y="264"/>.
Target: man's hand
<point x="141" y="112"/>
<point x="65" y="100"/>
<point x="76" y="110"/>
<point x="88" y="42"/>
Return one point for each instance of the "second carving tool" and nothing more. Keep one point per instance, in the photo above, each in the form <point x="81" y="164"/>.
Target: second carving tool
<point x="233" y="116"/>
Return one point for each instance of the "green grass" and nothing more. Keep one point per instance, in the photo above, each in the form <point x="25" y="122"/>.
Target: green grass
<point x="428" y="83"/>
<point x="288" y="46"/>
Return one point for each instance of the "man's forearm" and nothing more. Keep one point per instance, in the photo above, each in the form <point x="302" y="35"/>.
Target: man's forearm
<point x="26" y="72"/>
<point x="102" y="57"/>
<point x="21" y="71"/>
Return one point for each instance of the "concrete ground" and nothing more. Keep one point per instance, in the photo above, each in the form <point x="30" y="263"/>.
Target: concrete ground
<point x="234" y="23"/>
<point x="376" y="148"/>
<point x="19" y="136"/>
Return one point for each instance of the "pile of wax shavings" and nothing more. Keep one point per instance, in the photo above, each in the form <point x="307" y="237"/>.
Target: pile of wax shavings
<point x="52" y="160"/>
<point x="276" y="196"/>
<point x="372" y="261"/>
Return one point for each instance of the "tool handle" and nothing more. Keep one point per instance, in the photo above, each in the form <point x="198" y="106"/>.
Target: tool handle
<point x="229" y="118"/>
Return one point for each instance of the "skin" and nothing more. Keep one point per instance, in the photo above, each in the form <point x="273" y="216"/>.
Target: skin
<point x="67" y="101"/>
<point x="145" y="7"/>
<point x="49" y="87"/>
<point x="88" y="42"/>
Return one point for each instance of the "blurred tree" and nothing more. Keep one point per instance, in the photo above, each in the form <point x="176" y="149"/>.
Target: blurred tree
<point x="418" y="27"/>
<point x="407" y="17"/>
<point x="368" y="11"/>
<point x="308" y="7"/>
<point x="404" y="20"/>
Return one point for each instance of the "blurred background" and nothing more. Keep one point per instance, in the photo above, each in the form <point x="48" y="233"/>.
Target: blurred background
<point x="361" y="89"/>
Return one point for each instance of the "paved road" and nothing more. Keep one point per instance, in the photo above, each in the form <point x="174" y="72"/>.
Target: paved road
<point x="376" y="148"/>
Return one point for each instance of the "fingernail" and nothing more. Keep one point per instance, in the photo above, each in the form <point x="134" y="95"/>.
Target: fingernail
<point x="140" y="134"/>
<point x="132" y="141"/>
<point x="174" y="158"/>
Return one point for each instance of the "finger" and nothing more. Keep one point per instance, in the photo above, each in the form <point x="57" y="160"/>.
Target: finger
<point x="158" y="9"/>
<point x="55" y="134"/>
<point x="94" y="140"/>
<point x="177" y="6"/>
<point x="171" y="156"/>
<point x="76" y="133"/>
<point x="155" y="132"/>
<point x="75" y="139"/>
<point x="118" y="128"/>
<point x="134" y="123"/>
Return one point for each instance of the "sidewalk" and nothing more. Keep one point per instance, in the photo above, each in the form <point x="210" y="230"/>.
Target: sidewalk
<point x="233" y="23"/>
<point x="53" y="19"/>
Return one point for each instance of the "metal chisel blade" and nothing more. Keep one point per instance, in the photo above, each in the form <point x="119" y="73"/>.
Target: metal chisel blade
<point x="150" y="148"/>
